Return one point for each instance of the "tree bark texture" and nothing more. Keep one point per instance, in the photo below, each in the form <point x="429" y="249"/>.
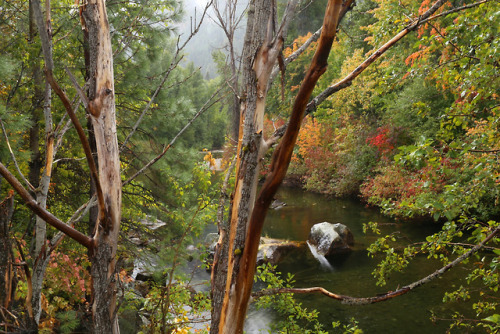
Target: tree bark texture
<point x="259" y="13"/>
<point x="247" y="212"/>
<point x="101" y="107"/>
<point x="6" y="258"/>
<point x="262" y="46"/>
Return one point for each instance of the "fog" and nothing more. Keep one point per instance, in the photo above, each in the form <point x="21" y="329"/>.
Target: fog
<point x="210" y="37"/>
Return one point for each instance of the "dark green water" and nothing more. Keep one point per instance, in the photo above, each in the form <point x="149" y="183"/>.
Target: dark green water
<point x="352" y="276"/>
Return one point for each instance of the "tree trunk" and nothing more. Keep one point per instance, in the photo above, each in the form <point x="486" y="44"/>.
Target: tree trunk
<point x="101" y="107"/>
<point x="262" y="45"/>
<point x="6" y="260"/>
<point x="41" y="181"/>
<point x="35" y="164"/>
<point x="247" y="214"/>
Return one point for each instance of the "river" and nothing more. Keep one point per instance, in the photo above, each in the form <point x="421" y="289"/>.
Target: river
<point x="352" y="275"/>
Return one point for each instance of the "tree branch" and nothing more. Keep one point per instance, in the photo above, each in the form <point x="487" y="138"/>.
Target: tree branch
<point x="388" y="295"/>
<point x="173" y="65"/>
<point x="347" y="81"/>
<point x="41" y="212"/>
<point x="210" y="102"/>
<point x="314" y="37"/>
<point x="49" y="65"/>
<point x="13" y="156"/>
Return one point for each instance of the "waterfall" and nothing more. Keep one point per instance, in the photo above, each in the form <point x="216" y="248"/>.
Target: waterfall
<point x="321" y="259"/>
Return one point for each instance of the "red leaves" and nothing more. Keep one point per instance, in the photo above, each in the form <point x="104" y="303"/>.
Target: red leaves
<point x="68" y="274"/>
<point x="383" y="141"/>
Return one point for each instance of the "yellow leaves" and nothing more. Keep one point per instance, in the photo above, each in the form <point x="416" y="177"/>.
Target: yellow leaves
<point x="297" y="43"/>
<point x="182" y="329"/>
<point x="4" y="90"/>
<point x="209" y="158"/>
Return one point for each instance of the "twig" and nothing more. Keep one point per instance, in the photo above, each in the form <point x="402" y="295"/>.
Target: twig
<point x="210" y="102"/>
<point x="13" y="156"/>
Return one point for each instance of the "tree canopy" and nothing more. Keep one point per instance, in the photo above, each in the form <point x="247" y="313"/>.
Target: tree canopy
<point x="108" y="132"/>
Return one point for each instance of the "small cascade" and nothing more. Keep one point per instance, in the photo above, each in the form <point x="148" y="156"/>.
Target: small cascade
<point x="325" y="264"/>
<point x="139" y="266"/>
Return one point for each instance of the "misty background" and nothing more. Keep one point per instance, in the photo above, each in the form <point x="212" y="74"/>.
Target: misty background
<point x="210" y="38"/>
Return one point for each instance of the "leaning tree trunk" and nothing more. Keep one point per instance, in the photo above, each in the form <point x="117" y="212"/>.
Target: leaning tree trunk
<point x="248" y="211"/>
<point x="101" y="107"/>
<point x="249" y="143"/>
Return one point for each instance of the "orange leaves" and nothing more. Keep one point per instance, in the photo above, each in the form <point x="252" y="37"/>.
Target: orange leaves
<point x="297" y="43"/>
<point x="309" y="139"/>
<point x="424" y="6"/>
<point x="414" y="57"/>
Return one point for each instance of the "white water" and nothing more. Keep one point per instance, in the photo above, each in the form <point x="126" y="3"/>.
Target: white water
<point x="325" y="264"/>
<point x="259" y="321"/>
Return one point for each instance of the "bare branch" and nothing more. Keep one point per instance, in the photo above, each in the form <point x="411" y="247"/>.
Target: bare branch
<point x="313" y="38"/>
<point x="176" y="59"/>
<point x="388" y="295"/>
<point x="172" y="66"/>
<point x="347" y="81"/>
<point x="77" y="87"/>
<point x="76" y="217"/>
<point x="49" y="65"/>
<point x="210" y="102"/>
<point x="41" y="212"/>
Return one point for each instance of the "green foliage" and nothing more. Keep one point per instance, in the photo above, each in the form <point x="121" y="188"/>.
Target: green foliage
<point x="68" y="321"/>
<point x="481" y="281"/>
<point x="170" y="309"/>
<point x="350" y="328"/>
<point x="294" y="317"/>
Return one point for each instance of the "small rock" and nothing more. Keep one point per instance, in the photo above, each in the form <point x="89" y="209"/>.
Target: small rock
<point x="273" y="250"/>
<point x="277" y="204"/>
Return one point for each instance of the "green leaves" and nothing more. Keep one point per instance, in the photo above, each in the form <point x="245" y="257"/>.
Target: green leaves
<point x="297" y="319"/>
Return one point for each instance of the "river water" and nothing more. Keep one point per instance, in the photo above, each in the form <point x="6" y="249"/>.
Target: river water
<point x="351" y="275"/>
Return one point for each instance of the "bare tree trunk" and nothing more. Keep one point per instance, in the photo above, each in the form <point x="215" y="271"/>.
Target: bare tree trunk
<point x="40" y="252"/>
<point x="35" y="164"/>
<point x="262" y="46"/>
<point x="101" y="106"/>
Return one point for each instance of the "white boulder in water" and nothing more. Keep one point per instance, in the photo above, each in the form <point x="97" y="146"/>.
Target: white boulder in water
<point x="331" y="239"/>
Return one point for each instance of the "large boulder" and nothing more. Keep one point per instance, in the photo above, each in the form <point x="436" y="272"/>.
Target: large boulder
<point x="331" y="239"/>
